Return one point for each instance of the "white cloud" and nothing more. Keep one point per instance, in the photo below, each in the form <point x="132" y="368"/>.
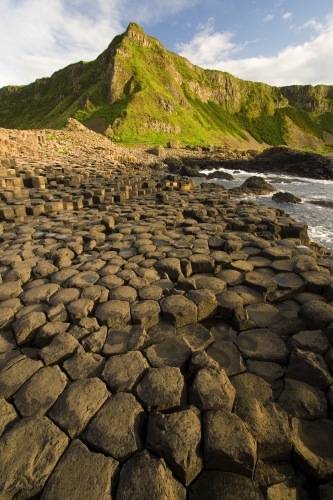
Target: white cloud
<point x="39" y="37"/>
<point x="287" y="15"/>
<point x="268" y="18"/>
<point x="307" y="63"/>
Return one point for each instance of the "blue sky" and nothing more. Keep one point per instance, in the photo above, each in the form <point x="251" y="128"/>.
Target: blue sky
<point x="279" y="42"/>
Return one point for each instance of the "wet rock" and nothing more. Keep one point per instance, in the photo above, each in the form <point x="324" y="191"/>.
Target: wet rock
<point x="122" y="372"/>
<point x="269" y="425"/>
<point x="170" y="352"/>
<point x="123" y="339"/>
<point x="162" y="389"/>
<point x="309" y="367"/>
<point x="95" y="478"/>
<point x="311" y="451"/>
<point x="253" y="185"/>
<point x="40" y="392"/>
<point x="147" y="477"/>
<point x="176" y="437"/>
<point x="212" y="390"/>
<point x="302" y="400"/>
<point x="117" y="428"/>
<point x="29" y="451"/>
<point x="228" y="445"/>
<point x="285" y="197"/>
<point x="262" y="345"/>
<point x="228" y="357"/>
<point x="77" y="405"/>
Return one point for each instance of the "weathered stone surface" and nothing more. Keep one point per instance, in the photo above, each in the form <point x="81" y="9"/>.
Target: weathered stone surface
<point x="41" y="293"/>
<point x="252" y="386"/>
<point x="95" y="478"/>
<point x="215" y="285"/>
<point x="212" y="390"/>
<point x="26" y="327"/>
<point x="302" y="400"/>
<point x="8" y="415"/>
<point x="113" y="313"/>
<point x="79" y="308"/>
<point x="265" y="369"/>
<point x="172" y="351"/>
<point x="201" y="263"/>
<point x="222" y="485"/>
<point x="313" y="340"/>
<point x="122" y="372"/>
<point x="316" y="314"/>
<point x="196" y="336"/>
<point x="162" y="389"/>
<point x="228" y="445"/>
<point x="260" y="282"/>
<point x="84" y="365"/>
<point x="312" y="453"/>
<point x="278" y="491"/>
<point x="146" y="477"/>
<point x="77" y="404"/>
<point x="7" y="340"/>
<point x="46" y="332"/>
<point x="29" y="452"/>
<point x="117" y="429"/>
<point x="309" y="367"/>
<point x="15" y="373"/>
<point x="178" y="310"/>
<point x="10" y="290"/>
<point x="228" y="302"/>
<point x="268" y="425"/>
<point x="61" y="347"/>
<point x="262" y="345"/>
<point x="205" y="301"/>
<point x="146" y="313"/>
<point x="316" y="281"/>
<point x="123" y="339"/>
<point x="263" y="314"/>
<point x="228" y="357"/>
<point x="176" y="437"/>
<point x="171" y="267"/>
<point x="40" y="392"/>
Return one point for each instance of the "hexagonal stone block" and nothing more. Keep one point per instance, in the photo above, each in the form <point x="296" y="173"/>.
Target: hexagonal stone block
<point x="228" y="357"/>
<point x="15" y="373"/>
<point x="40" y="392"/>
<point x="146" y="476"/>
<point x="176" y="437"/>
<point x="77" y="405"/>
<point x="228" y="444"/>
<point x="146" y="313"/>
<point x="95" y="478"/>
<point x="212" y="390"/>
<point x="122" y="372"/>
<point x="312" y="452"/>
<point x="178" y="310"/>
<point x="222" y="485"/>
<point x="309" y="367"/>
<point x="172" y="351"/>
<point x="113" y="313"/>
<point x="117" y="429"/>
<point x="262" y="345"/>
<point x="29" y="452"/>
<point x="302" y="400"/>
<point x="162" y="389"/>
<point x="269" y="425"/>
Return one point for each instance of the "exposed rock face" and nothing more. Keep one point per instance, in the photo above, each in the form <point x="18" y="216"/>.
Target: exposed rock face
<point x="155" y="342"/>
<point x="253" y="185"/>
<point x="284" y="197"/>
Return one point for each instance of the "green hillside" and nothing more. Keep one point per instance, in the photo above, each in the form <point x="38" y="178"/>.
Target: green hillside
<point x="145" y="93"/>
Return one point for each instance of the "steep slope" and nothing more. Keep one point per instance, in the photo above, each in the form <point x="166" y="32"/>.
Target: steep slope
<point x="140" y="92"/>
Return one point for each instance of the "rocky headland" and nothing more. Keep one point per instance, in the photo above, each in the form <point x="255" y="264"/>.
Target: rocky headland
<point x="157" y="340"/>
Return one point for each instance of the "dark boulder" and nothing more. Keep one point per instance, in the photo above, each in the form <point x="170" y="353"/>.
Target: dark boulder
<point x="285" y="197"/>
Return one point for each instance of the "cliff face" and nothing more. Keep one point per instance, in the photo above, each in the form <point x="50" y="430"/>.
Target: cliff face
<point x="142" y="92"/>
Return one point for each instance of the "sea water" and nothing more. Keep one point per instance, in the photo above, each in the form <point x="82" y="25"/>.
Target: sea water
<point x="319" y="219"/>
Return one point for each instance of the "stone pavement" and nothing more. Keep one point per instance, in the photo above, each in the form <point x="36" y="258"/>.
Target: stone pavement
<point x="158" y="340"/>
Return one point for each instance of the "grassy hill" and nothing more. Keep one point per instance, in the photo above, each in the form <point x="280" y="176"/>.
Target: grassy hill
<point x="141" y="92"/>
